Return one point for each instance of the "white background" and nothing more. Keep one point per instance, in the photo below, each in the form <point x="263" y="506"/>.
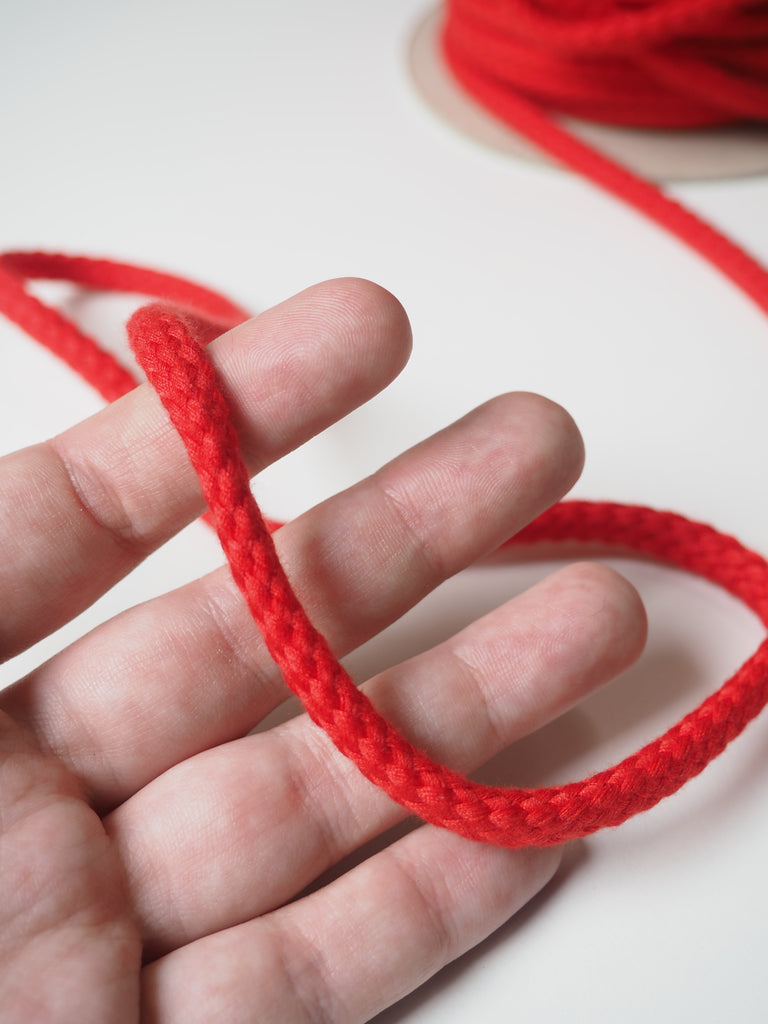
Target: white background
<point x="262" y="147"/>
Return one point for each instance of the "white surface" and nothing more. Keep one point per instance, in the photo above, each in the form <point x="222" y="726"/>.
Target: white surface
<point x="261" y="147"/>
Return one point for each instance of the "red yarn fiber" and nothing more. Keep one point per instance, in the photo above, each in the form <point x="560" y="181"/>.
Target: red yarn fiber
<point x="486" y="43"/>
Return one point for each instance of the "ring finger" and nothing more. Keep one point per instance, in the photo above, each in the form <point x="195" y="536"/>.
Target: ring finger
<point x="239" y="830"/>
<point x="188" y="670"/>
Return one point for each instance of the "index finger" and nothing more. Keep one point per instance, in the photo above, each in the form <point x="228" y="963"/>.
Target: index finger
<point x="80" y="511"/>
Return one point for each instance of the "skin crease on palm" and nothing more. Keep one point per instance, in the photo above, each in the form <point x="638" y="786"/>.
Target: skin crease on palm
<point x="157" y="855"/>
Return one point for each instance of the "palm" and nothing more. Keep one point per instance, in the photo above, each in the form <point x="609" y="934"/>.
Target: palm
<point x="157" y="828"/>
<point x="67" y="929"/>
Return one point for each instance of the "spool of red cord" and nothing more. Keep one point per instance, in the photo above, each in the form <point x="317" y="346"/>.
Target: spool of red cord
<point x="677" y="64"/>
<point x="521" y="61"/>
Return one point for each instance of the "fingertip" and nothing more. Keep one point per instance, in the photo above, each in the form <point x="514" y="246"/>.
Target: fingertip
<point x="310" y="360"/>
<point x="366" y="324"/>
<point x="547" y="863"/>
<point x="615" y="605"/>
<point x="535" y="867"/>
<point x="550" y="867"/>
<point x="366" y="308"/>
<point x="542" y="441"/>
<point x="564" y="427"/>
<point x="558" y="428"/>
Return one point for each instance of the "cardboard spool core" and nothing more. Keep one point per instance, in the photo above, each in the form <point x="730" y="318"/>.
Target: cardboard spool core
<point x="695" y="155"/>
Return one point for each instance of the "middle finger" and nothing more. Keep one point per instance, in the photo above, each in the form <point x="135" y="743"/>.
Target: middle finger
<point x="189" y="670"/>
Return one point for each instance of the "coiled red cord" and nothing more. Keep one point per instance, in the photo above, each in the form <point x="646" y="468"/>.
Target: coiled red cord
<point x="658" y="64"/>
<point x="167" y="344"/>
<point x="653" y="29"/>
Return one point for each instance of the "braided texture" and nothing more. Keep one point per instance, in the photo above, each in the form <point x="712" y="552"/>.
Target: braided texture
<point x="167" y="343"/>
<point x="188" y="388"/>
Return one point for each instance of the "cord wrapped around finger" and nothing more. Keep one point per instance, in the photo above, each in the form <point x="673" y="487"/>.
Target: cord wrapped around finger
<point x="177" y="367"/>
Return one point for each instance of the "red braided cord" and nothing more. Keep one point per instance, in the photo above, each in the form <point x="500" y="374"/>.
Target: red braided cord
<point x="606" y="26"/>
<point x="167" y="346"/>
<point x="65" y="339"/>
<point x="464" y="56"/>
<point x="664" y="63"/>
<point x="171" y="357"/>
<point x="62" y="337"/>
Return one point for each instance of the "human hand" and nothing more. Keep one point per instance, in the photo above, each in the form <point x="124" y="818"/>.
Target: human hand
<point x="155" y="854"/>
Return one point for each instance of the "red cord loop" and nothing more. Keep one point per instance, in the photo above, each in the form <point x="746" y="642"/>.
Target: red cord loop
<point x="167" y="344"/>
<point x="173" y="362"/>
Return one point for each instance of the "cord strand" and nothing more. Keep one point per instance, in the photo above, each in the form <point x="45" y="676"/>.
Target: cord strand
<point x="167" y="344"/>
<point x="199" y="411"/>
